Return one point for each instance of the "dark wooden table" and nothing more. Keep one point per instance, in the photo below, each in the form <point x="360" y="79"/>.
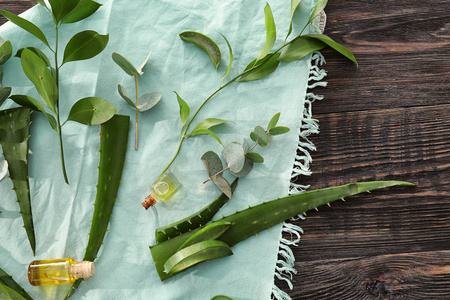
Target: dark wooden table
<point x="387" y="119"/>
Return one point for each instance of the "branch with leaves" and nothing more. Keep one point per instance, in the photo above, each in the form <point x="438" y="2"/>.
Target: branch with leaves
<point x="239" y="157"/>
<point x="144" y="102"/>
<point x="266" y="62"/>
<point x="45" y="76"/>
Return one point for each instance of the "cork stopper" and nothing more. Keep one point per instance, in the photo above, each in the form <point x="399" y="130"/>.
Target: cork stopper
<point x="84" y="269"/>
<point x="149" y="201"/>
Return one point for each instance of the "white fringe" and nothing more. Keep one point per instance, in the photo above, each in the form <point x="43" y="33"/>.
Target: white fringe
<point x="285" y="268"/>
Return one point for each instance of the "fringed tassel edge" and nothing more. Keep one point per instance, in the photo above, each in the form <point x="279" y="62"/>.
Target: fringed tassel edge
<point x="285" y="267"/>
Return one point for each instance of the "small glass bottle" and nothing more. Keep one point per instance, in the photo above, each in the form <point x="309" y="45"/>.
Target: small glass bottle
<point x="58" y="271"/>
<point x="163" y="189"/>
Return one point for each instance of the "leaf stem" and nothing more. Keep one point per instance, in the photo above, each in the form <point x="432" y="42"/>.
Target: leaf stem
<point x="137" y="113"/>
<point x="218" y="173"/>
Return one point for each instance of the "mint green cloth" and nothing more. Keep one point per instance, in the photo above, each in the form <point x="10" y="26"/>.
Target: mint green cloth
<point x="62" y="213"/>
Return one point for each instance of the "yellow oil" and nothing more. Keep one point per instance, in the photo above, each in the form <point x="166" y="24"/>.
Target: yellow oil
<point x="51" y="271"/>
<point x="165" y="186"/>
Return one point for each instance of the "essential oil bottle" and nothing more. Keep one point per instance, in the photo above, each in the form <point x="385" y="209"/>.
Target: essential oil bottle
<point x="58" y="271"/>
<point x="163" y="189"/>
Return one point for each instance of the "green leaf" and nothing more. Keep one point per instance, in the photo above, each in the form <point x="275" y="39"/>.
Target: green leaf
<point x="234" y="156"/>
<point x="3" y="169"/>
<point x="300" y="47"/>
<point x="212" y="163"/>
<point x="263" y="68"/>
<point x="84" y="45"/>
<point x="271" y="34"/>
<point x="336" y="46"/>
<point x="8" y="293"/>
<point x="25" y="25"/>
<point x="37" y="52"/>
<point x="84" y="9"/>
<point x="206" y="124"/>
<point x="4" y="94"/>
<point x="194" y="254"/>
<point x="124" y="94"/>
<point x="231" y="60"/>
<point x="203" y="132"/>
<point x="259" y="136"/>
<point x="205" y="43"/>
<point x="221" y="297"/>
<point x="245" y="145"/>
<point x="254" y="157"/>
<point x="211" y="231"/>
<point x="294" y="5"/>
<point x="1" y="77"/>
<point x="5" y="51"/>
<point x="30" y="102"/>
<point x="144" y="63"/>
<point x="223" y="185"/>
<point x="273" y="122"/>
<point x="278" y="130"/>
<point x="248" y="166"/>
<point x="91" y="111"/>
<point x="184" y="110"/>
<point x="125" y="64"/>
<point x="36" y="70"/>
<point x="41" y="2"/>
<point x="148" y="100"/>
<point x="320" y="5"/>
<point x="60" y="8"/>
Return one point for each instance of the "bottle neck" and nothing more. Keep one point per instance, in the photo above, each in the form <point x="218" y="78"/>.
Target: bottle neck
<point x="84" y="269"/>
<point x="150" y="200"/>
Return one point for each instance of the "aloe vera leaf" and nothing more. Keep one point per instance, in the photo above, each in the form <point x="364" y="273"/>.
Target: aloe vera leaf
<point x="205" y="43"/>
<point x="209" y="232"/>
<point x="8" y="281"/>
<point x="14" y="134"/>
<point x="194" y="221"/>
<point x="194" y="254"/>
<point x="254" y="219"/>
<point x="113" y="147"/>
<point x="8" y="293"/>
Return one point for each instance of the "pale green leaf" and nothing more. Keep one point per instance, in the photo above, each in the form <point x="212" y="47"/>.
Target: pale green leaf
<point x="234" y="156"/>
<point x="254" y="157"/>
<point x="336" y="46"/>
<point x="273" y="122"/>
<point x="124" y="94"/>
<point x="211" y="231"/>
<point x="205" y="43"/>
<point x="223" y="185"/>
<point x="30" y="102"/>
<point x="278" y="130"/>
<point x="148" y="100"/>
<point x="259" y="136"/>
<point x="231" y="60"/>
<point x="271" y="34"/>
<point x="263" y="68"/>
<point x="38" y="73"/>
<point x="60" y="8"/>
<point x="36" y="51"/>
<point x="25" y="25"/>
<point x="84" y="9"/>
<point x="294" y="5"/>
<point x="204" y="132"/>
<point x="4" y="94"/>
<point x="184" y="110"/>
<point x="143" y="64"/>
<point x="320" y="5"/>
<point x="84" y="45"/>
<point x="207" y="123"/>
<point x="247" y="168"/>
<point x="212" y="163"/>
<point x="91" y="111"/>
<point x="5" y="51"/>
<point x="300" y="47"/>
<point x="125" y="64"/>
<point x="245" y="145"/>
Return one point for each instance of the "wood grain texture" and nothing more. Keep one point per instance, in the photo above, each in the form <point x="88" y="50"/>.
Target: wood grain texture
<point x="387" y="119"/>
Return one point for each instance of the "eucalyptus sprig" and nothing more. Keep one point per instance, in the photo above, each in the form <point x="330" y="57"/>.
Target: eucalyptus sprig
<point x="265" y="63"/>
<point x="144" y="102"/>
<point x="239" y="157"/>
<point x="45" y="76"/>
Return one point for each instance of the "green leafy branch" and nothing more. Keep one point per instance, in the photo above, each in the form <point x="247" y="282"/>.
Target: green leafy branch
<point x="144" y="102"/>
<point x="239" y="158"/>
<point x="45" y="76"/>
<point x="266" y="62"/>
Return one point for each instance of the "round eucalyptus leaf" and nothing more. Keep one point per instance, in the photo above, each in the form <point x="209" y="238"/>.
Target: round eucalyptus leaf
<point x="212" y="163"/>
<point x="234" y="156"/>
<point x="255" y="157"/>
<point x="259" y="135"/>
<point x="148" y="100"/>
<point x="3" y="169"/>
<point x="248" y="166"/>
<point x="124" y="94"/>
<point x="91" y="111"/>
<point x="223" y="185"/>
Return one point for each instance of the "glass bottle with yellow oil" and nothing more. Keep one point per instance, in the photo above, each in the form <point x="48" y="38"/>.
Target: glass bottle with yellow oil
<point x="163" y="189"/>
<point x="58" y="271"/>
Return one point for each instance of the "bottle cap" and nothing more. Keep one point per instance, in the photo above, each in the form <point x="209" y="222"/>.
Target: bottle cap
<point x="84" y="269"/>
<point x="149" y="201"/>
